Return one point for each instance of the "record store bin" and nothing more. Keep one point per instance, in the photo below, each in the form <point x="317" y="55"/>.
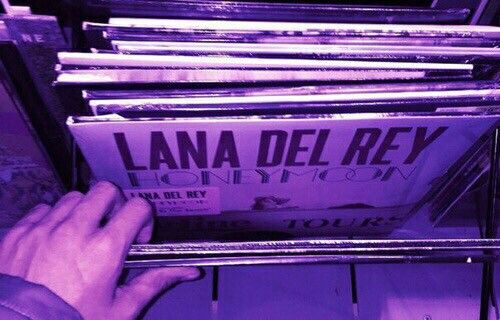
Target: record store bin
<point x="319" y="159"/>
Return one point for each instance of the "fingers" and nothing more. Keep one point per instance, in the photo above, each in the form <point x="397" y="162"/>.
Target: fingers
<point x="95" y="205"/>
<point x="138" y="292"/>
<point x="134" y="220"/>
<point x="9" y="242"/>
<point x="62" y="209"/>
<point x="146" y="232"/>
<point x="34" y="216"/>
<point x="51" y="216"/>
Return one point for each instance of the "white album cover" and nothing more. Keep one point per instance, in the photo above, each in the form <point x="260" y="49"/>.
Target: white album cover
<point x="335" y="28"/>
<point x="277" y="168"/>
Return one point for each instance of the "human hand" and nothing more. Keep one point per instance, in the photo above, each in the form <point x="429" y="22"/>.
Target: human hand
<point x="68" y="249"/>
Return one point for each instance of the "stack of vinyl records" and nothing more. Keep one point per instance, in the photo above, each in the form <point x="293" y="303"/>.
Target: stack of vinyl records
<point x="240" y="129"/>
<point x="30" y="134"/>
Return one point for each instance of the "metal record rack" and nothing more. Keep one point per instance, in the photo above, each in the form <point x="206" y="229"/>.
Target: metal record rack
<point x="330" y="251"/>
<point x="485" y="250"/>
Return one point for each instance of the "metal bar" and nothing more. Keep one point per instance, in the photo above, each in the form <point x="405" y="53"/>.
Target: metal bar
<point x="6" y="6"/>
<point x="490" y="229"/>
<point x="215" y="293"/>
<point x="486" y="285"/>
<point x="318" y="251"/>
<point x="354" y="290"/>
<point x="326" y="242"/>
<point x="314" y="247"/>
<point x="479" y="11"/>
<point x="487" y="277"/>
<point x="309" y="259"/>
<point x="490" y="14"/>
<point x="489" y="232"/>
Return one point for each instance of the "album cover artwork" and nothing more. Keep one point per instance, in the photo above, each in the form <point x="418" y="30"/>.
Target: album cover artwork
<point x="28" y="51"/>
<point x="27" y="175"/>
<point x="340" y="122"/>
<point x="344" y="174"/>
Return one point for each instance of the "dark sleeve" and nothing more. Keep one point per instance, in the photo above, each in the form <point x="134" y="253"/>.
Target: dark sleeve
<point x="23" y="300"/>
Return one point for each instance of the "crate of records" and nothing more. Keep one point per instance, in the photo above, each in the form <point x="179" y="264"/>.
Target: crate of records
<point x="27" y="175"/>
<point x="265" y="129"/>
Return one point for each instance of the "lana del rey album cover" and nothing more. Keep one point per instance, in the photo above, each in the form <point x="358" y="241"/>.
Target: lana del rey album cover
<point x="335" y="175"/>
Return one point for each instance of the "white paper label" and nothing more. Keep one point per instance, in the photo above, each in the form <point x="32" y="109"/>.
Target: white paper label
<point x="181" y="201"/>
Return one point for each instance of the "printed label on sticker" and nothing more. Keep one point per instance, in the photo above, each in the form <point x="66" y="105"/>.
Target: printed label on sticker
<point x="180" y="201"/>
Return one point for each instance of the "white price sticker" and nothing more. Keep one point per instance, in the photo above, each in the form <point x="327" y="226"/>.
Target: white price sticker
<point x="180" y="201"/>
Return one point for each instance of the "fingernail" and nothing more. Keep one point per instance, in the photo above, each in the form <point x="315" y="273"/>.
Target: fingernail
<point x="191" y="274"/>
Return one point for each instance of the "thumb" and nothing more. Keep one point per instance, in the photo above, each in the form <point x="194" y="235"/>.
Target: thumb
<point x="139" y="291"/>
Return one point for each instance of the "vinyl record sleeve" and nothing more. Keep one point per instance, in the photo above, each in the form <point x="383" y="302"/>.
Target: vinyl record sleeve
<point x="275" y="11"/>
<point x="141" y="103"/>
<point x="100" y="35"/>
<point x="102" y="39"/>
<point x="94" y="60"/>
<point x="398" y="101"/>
<point x="27" y="175"/>
<point x="37" y="39"/>
<point x="274" y="173"/>
<point x="287" y="90"/>
<point x="331" y="29"/>
<point x="308" y="51"/>
<point x="98" y="68"/>
<point x="222" y="77"/>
